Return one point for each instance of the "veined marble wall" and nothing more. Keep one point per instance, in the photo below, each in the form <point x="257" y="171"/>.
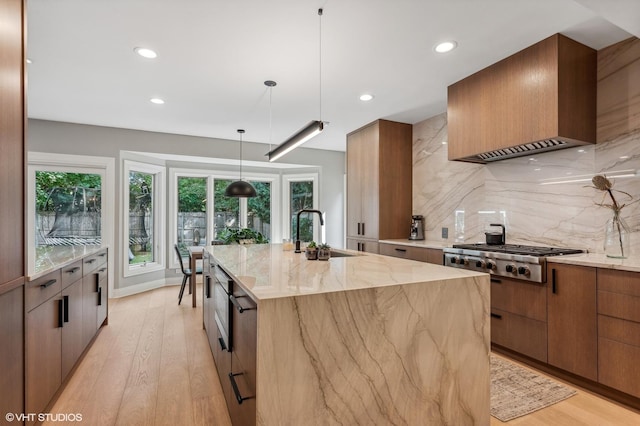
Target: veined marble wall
<point x="544" y="199"/>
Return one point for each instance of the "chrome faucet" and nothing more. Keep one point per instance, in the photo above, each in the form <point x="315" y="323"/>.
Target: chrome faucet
<point x="298" y="225"/>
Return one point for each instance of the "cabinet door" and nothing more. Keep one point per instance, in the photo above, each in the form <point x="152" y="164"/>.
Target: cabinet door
<point x="72" y="343"/>
<point x="363" y="245"/>
<point x="354" y="196"/>
<point x="572" y="319"/>
<point x="89" y="307"/>
<point x="43" y="346"/>
<point x="243" y="358"/>
<point x="11" y="351"/>
<point x="369" y="180"/>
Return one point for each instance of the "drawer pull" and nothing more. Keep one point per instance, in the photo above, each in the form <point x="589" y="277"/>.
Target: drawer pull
<point x="99" y="296"/>
<point x="497" y="316"/>
<point x="554" y="288"/>
<point x="222" y="345"/>
<point x="401" y="250"/>
<point x="66" y="308"/>
<point x="102" y="254"/>
<point x="238" y="306"/>
<point x="236" y="391"/>
<point x="359" y="228"/>
<point x="208" y="287"/>
<point x="73" y="270"/>
<point x="60" y="313"/>
<point x="495" y="280"/>
<point x="48" y="283"/>
<point x="89" y="261"/>
<point x="363" y="228"/>
<point x="101" y="270"/>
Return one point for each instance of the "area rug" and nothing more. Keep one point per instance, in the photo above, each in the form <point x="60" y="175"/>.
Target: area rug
<point x="516" y="391"/>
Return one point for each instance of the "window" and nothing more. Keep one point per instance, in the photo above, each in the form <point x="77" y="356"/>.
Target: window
<point x="301" y="192"/>
<point x="143" y="224"/>
<point x="192" y="211"/>
<point x="67" y="203"/>
<point x="259" y="209"/>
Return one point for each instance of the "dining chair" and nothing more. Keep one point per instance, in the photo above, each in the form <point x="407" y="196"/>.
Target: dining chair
<point x="186" y="272"/>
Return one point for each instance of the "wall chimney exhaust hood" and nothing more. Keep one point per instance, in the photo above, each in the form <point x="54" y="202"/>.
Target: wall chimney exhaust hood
<point x="540" y="99"/>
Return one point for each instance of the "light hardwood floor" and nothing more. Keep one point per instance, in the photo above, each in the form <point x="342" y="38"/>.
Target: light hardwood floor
<point x="152" y="366"/>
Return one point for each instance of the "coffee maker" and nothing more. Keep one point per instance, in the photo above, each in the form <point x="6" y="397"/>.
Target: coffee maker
<point x="417" y="227"/>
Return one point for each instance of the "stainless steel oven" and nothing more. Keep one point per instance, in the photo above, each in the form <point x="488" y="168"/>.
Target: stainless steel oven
<point x="222" y="289"/>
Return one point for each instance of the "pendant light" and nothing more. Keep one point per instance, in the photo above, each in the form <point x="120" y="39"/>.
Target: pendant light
<point x="240" y="188"/>
<point x="311" y="129"/>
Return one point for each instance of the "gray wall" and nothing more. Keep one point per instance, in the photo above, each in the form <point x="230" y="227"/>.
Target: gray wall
<point x="79" y="139"/>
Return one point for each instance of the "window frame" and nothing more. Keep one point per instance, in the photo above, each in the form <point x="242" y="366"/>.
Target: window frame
<point x="286" y="204"/>
<point x="159" y="208"/>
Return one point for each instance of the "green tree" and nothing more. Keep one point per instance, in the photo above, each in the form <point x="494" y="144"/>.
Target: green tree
<point x="47" y="181"/>
<point x="192" y="194"/>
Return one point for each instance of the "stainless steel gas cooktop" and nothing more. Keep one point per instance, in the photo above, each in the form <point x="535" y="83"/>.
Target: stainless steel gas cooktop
<point x="508" y="260"/>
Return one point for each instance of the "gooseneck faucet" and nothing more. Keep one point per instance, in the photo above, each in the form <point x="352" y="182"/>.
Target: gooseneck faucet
<point x="298" y="225"/>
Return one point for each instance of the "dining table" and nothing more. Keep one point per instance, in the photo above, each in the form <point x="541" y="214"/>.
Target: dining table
<point x="195" y="253"/>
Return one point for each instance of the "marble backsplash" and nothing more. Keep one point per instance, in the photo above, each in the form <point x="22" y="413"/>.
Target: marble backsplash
<point x="543" y="199"/>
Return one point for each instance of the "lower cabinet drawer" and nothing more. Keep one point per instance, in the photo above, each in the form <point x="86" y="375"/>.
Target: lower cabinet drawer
<point x="242" y="407"/>
<point x="421" y="254"/>
<point x="524" y="335"/>
<point x="618" y="366"/>
<point x="520" y="298"/>
<point x="43" y="288"/>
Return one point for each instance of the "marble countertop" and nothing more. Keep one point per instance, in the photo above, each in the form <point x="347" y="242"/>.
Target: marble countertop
<point x="419" y="243"/>
<point x="268" y="272"/>
<point x="50" y="258"/>
<point x="597" y="260"/>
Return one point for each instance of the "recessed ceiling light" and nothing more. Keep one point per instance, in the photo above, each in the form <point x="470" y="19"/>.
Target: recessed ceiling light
<point x="366" y="97"/>
<point x="145" y="53"/>
<point x="156" y="101"/>
<point x="537" y="169"/>
<point x="445" y="46"/>
<point x="28" y="60"/>
<point x="581" y="150"/>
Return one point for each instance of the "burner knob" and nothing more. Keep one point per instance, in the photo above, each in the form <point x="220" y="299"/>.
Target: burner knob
<point x="464" y="261"/>
<point x="480" y="263"/>
<point x="454" y="260"/>
<point x="511" y="269"/>
<point x="491" y="265"/>
<point x="523" y="270"/>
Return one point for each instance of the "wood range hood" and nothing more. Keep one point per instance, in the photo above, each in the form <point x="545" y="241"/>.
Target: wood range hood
<point x="540" y="99"/>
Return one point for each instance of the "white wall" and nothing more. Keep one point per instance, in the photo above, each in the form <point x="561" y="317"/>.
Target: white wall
<point x="70" y="138"/>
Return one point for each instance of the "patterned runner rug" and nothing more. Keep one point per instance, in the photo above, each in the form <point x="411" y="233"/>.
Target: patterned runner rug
<point x="516" y="391"/>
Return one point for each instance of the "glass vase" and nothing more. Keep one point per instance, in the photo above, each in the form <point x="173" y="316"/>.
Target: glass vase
<point x="616" y="237"/>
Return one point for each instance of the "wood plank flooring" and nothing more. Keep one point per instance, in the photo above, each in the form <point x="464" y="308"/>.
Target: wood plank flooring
<point x="136" y="373"/>
<point x="150" y="366"/>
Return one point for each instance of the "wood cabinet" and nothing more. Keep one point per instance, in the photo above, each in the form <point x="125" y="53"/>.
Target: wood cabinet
<point x="519" y="316"/>
<point x="619" y="330"/>
<point x="242" y="376"/>
<point x="572" y="320"/>
<point x="11" y="350"/>
<point x="368" y="246"/>
<point x="72" y="342"/>
<point x="60" y="316"/>
<point x="379" y="182"/>
<point x="421" y="254"/>
<point x="544" y="92"/>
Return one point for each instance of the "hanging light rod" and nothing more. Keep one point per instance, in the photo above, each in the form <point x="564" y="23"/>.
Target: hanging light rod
<point x="314" y="127"/>
<point x="303" y="135"/>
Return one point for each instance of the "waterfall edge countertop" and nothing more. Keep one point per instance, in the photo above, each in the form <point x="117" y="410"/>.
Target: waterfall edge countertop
<point x="597" y="260"/>
<point x="266" y="271"/>
<point x="365" y="339"/>
<point x="50" y="258"/>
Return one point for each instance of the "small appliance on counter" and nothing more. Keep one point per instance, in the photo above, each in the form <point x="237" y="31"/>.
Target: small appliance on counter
<point x="417" y="228"/>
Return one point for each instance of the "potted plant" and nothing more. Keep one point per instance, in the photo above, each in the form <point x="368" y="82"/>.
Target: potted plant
<point x="312" y="251"/>
<point x="324" y="252"/>
<point x="241" y="236"/>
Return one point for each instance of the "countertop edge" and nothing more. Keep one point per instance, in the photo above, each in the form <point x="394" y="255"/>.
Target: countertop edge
<point x="597" y="261"/>
<point x="89" y="250"/>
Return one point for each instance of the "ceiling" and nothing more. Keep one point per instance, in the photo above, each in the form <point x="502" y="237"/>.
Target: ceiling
<point x="214" y="55"/>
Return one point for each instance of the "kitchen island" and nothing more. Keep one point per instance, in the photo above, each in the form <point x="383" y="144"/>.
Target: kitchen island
<point x="364" y="339"/>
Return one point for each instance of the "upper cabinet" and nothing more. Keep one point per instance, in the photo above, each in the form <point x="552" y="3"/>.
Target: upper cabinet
<point x="539" y="99"/>
<point x="379" y="182"/>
